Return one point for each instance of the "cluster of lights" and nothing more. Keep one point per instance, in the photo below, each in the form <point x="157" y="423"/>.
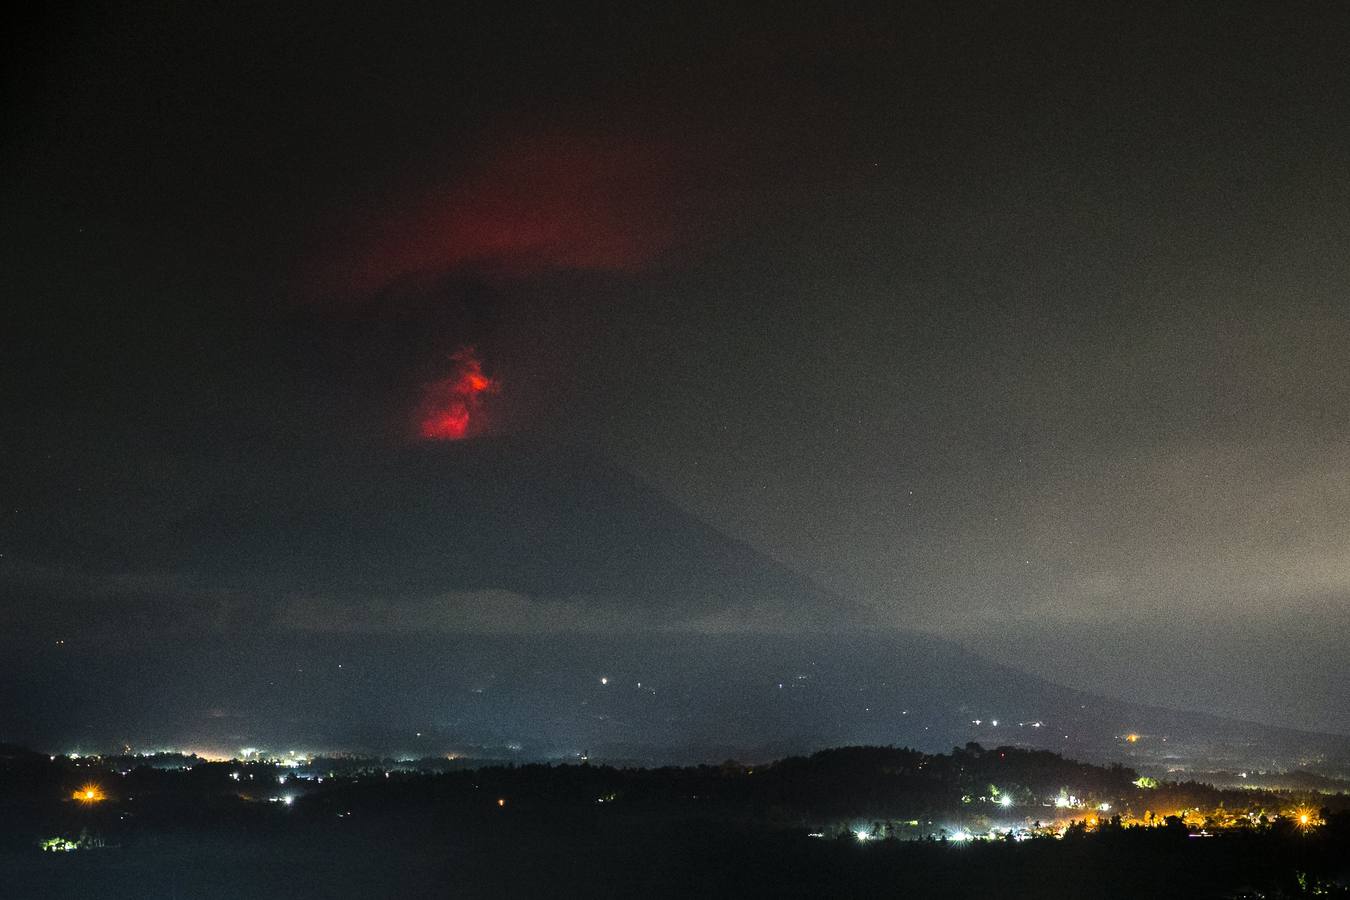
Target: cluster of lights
<point x="958" y="836"/>
<point x="291" y="759"/>
<point x="1305" y="819"/>
<point x="59" y="845"/>
<point x="1068" y="801"/>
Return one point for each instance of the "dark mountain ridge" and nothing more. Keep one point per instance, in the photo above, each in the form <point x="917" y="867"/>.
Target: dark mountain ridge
<point x="709" y="650"/>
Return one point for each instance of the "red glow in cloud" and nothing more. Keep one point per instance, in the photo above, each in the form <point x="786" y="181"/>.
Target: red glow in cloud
<point x="453" y="405"/>
<point x="551" y="203"/>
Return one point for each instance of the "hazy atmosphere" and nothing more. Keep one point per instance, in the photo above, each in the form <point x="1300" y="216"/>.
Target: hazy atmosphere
<point x="1022" y="325"/>
<point x="494" y="449"/>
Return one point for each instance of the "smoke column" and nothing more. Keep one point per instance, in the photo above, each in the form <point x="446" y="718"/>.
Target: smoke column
<point x="453" y="406"/>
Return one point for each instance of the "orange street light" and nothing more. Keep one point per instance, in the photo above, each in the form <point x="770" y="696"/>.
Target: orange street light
<point x="89" y="793"/>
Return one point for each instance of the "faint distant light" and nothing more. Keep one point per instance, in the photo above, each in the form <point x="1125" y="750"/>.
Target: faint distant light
<point x="994" y="722"/>
<point x="1132" y="738"/>
<point x="501" y="801"/>
<point x="604" y="680"/>
<point x="1103" y="807"/>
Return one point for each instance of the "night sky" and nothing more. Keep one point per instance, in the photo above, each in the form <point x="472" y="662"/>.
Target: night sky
<point x="1023" y="324"/>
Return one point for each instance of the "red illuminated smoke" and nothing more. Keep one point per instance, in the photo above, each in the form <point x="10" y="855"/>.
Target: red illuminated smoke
<point x="546" y="204"/>
<point x="453" y="406"/>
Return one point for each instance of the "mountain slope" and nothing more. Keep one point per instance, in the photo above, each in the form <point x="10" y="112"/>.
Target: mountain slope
<point x="548" y="523"/>
<point x="649" y="697"/>
<point x="705" y="647"/>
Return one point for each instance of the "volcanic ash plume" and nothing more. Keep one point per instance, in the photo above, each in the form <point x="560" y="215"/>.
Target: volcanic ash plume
<point x="452" y="408"/>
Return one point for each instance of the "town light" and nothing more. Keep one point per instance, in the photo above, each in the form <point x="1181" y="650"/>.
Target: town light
<point x="89" y="793"/>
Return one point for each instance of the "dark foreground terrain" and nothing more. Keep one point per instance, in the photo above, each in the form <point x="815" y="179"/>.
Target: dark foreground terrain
<point x="426" y="856"/>
<point x="852" y="822"/>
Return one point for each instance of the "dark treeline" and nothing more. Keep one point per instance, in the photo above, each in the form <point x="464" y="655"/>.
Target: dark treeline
<point x="185" y="827"/>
